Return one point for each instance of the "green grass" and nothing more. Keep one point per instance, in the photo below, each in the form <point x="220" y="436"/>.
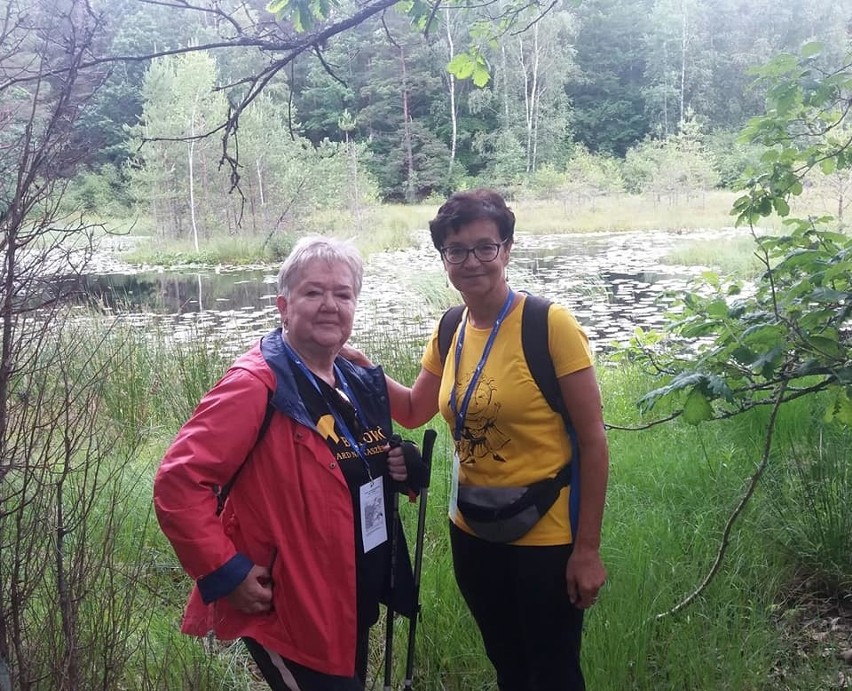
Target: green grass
<point x="733" y="256"/>
<point x="395" y="226"/>
<point x="228" y="251"/>
<point x="625" y="212"/>
<point x="672" y="488"/>
<point x="611" y="213"/>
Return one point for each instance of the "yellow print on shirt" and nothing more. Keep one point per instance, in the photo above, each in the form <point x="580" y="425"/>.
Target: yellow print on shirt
<point x="481" y="437"/>
<point x="373" y="439"/>
<point x="325" y="426"/>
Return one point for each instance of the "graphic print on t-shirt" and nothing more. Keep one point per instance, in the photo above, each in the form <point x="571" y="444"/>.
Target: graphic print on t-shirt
<point x="373" y="439"/>
<point x="481" y="438"/>
<point x="328" y="407"/>
<point x="325" y="426"/>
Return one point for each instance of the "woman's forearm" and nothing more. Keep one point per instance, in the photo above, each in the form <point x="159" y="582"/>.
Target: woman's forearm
<point x="415" y="406"/>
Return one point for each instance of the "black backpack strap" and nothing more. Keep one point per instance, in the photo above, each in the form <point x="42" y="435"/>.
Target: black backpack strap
<point x="537" y="352"/>
<point x="450" y="321"/>
<point x="534" y="338"/>
<point x="223" y="491"/>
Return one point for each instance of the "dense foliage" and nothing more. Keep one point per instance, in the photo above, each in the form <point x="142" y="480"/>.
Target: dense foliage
<point x="738" y="345"/>
<point x="735" y="347"/>
<point x="372" y="112"/>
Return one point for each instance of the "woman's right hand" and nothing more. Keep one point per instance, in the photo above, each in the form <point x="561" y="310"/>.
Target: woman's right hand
<point x="254" y="594"/>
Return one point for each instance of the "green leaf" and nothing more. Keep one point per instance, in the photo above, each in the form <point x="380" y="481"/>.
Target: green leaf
<point x="461" y="66"/>
<point x="840" y="407"/>
<point x="782" y="208"/>
<point x="277" y="7"/>
<point x="470" y="65"/>
<point x="812" y="49"/>
<point x="763" y="334"/>
<point x="828" y="347"/>
<point x="718" y="309"/>
<point x="301" y="19"/>
<point x="766" y="362"/>
<point x="717" y="386"/>
<point x="684" y="380"/>
<point x="743" y="355"/>
<point x="828" y="166"/>
<point x="808" y="367"/>
<point x="481" y="76"/>
<point x="697" y="408"/>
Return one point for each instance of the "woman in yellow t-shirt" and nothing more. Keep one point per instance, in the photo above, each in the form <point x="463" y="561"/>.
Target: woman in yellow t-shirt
<point x="528" y="595"/>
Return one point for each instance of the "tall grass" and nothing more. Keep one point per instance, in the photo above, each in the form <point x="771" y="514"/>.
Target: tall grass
<point x="616" y="212"/>
<point x="735" y="256"/>
<point x="228" y="250"/>
<point x="671" y="490"/>
<point x="807" y="513"/>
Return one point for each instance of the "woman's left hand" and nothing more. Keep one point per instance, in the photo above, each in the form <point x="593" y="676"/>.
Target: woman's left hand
<point x="396" y="464"/>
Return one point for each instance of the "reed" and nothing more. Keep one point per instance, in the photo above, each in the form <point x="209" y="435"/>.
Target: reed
<point x="228" y="250"/>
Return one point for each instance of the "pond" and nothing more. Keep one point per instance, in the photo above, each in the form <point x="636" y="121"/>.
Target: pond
<point x="613" y="282"/>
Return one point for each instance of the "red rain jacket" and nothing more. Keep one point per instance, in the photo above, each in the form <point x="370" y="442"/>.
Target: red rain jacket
<point x="290" y="510"/>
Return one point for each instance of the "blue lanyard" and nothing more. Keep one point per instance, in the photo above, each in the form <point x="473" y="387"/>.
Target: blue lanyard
<point x="460" y="414"/>
<point x="358" y="447"/>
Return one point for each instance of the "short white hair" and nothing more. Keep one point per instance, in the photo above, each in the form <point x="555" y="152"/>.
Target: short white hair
<point x="331" y="250"/>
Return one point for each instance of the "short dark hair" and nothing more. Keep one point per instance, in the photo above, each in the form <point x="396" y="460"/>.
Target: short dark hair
<point x="474" y="205"/>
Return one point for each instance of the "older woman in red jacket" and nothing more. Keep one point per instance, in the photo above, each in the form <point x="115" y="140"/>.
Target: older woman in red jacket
<point x="298" y="560"/>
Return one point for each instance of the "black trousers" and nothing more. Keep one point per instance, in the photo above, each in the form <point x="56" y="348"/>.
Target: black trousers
<point x="518" y="597"/>
<point x="282" y="674"/>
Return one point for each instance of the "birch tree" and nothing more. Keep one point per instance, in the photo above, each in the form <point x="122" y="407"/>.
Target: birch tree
<point x="533" y="68"/>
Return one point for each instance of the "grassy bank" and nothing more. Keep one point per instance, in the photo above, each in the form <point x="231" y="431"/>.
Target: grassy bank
<point x="395" y="226"/>
<point x="672" y="488"/>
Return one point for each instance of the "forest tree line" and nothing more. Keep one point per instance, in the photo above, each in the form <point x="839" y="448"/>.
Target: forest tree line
<point x="593" y="97"/>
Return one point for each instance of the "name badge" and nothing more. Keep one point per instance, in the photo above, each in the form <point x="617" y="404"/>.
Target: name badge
<point x="374" y="530"/>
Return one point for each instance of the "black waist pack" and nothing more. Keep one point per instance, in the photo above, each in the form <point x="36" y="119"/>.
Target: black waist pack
<point x="505" y="514"/>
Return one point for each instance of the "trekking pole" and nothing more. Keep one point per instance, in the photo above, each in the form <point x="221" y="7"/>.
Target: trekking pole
<point x="394" y="442"/>
<point x="428" y="443"/>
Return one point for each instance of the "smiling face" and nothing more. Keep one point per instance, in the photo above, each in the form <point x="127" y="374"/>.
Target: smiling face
<point x="473" y="278"/>
<point x="319" y="309"/>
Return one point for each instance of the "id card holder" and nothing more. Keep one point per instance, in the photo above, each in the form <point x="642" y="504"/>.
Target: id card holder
<point x="374" y="530"/>
<point x="454" y="487"/>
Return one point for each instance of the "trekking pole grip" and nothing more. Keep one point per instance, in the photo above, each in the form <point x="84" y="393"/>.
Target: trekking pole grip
<point x="429" y="437"/>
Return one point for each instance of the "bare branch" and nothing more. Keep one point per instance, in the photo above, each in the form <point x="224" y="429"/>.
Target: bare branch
<point x="726" y="533"/>
<point x="541" y="15"/>
<point x="431" y="17"/>
<point x="215" y="11"/>
<point x="327" y="67"/>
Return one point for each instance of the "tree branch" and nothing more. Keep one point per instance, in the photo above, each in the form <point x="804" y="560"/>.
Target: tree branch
<point x="726" y="534"/>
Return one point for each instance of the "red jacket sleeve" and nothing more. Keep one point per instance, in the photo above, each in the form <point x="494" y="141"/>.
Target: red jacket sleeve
<point x="208" y="450"/>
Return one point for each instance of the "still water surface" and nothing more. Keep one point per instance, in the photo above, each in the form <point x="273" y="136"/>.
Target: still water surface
<point x="613" y="282"/>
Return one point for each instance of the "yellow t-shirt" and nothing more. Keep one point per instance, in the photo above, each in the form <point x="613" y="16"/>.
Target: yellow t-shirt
<point x="512" y="437"/>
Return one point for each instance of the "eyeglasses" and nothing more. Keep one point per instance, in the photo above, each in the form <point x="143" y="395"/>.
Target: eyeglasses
<point x="486" y="252"/>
